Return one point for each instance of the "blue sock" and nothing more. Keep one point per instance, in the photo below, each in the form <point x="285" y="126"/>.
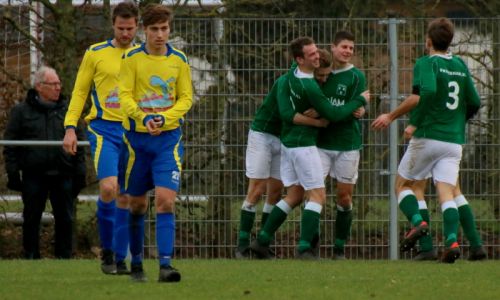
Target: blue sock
<point x="136" y="238"/>
<point x="165" y="237"/>
<point x="121" y="235"/>
<point x="105" y="223"/>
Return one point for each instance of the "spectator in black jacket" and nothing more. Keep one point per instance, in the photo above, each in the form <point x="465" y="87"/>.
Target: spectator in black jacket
<point x="39" y="172"/>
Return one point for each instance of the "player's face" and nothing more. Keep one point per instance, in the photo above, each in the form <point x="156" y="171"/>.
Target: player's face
<point x="124" y="30"/>
<point x="343" y="51"/>
<point x="50" y="88"/>
<point x="157" y="34"/>
<point x="321" y="74"/>
<point x="311" y="56"/>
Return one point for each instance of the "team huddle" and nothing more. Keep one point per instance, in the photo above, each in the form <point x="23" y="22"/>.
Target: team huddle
<point x="308" y="128"/>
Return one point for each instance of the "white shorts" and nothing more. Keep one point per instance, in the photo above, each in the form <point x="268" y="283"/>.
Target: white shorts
<point x="263" y="155"/>
<point x="301" y="165"/>
<point x="341" y="165"/>
<point x="425" y="156"/>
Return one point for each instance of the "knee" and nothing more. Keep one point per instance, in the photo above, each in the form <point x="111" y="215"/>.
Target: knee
<point x="255" y="192"/>
<point x="344" y="200"/>
<point x="108" y="190"/>
<point x="165" y="205"/>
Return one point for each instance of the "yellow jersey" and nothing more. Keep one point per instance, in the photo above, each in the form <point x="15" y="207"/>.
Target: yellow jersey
<point x="154" y="84"/>
<point x="98" y="73"/>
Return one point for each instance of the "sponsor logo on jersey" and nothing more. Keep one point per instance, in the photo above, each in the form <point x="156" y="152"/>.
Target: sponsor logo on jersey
<point x="158" y="102"/>
<point x="112" y="100"/>
<point x="341" y="89"/>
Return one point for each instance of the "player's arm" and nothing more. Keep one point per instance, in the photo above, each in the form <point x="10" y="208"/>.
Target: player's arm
<point x="325" y="109"/>
<point x="126" y="91"/>
<point x="83" y="82"/>
<point x="472" y="99"/>
<point x="383" y="121"/>
<point x="300" y="119"/>
<point x="79" y="96"/>
<point x="359" y="88"/>
<point x="184" y="91"/>
<point x="285" y="106"/>
<point x="427" y="85"/>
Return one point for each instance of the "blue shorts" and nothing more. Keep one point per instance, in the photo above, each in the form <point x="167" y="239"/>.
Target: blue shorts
<point x="106" y="142"/>
<point x="149" y="161"/>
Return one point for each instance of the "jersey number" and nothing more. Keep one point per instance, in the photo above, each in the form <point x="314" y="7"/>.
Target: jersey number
<point x="453" y="94"/>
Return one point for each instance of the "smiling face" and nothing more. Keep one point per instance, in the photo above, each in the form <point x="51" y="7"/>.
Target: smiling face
<point x="342" y="52"/>
<point x="310" y="59"/>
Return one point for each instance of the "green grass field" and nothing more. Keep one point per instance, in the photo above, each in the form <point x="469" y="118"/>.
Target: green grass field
<point x="279" y="279"/>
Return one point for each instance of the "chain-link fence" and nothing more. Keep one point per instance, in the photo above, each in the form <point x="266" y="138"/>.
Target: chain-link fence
<point x="234" y="63"/>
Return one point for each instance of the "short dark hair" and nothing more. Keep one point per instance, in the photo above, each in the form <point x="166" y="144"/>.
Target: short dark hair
<point x="325" y="58"/>
<point x="342" y="35"/>
<point x="155" y="13"/>
<point x="297" y="46"/>
<point x="441" y="31"/>
<point x="126" y="10"/>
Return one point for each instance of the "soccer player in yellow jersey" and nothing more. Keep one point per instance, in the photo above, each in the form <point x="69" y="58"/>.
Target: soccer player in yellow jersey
<point x="155" y="93"/>
<point x="98" y="74"/>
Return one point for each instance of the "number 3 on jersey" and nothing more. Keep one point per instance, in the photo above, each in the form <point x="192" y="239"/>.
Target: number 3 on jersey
<point x="453" y="94"/>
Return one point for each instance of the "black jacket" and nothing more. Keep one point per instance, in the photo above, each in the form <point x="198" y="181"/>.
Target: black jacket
<point x="30" y="120"/>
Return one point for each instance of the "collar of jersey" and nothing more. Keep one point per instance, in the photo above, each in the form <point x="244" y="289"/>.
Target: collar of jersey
<point x="299" y="74"/>
<point x="346" y="68"/>
<point x="445" y="56"/>
<point x="170" y="50"/>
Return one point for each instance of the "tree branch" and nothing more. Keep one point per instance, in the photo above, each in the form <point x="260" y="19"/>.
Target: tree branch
<point x="21" y="30"/>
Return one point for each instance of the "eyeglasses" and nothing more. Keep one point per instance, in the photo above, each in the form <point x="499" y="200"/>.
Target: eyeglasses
<point x="52" y="84"/>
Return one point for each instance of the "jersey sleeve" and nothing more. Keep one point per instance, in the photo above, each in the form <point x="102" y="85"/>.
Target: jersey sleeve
<point x="427" y="84"/>
<point x="126" y="91"/>
<point x="184" y="92"/>
<point x="285" y="104"/>
<point x="359" y="88"/>
<point x="83" y="83"/>
<point x="321" y="104"/>
<point x="472" y="99"/>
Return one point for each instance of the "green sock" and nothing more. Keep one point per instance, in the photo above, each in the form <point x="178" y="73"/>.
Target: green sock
<point x="409" y="206"/>
<point x="246" y="223"/>
<point x="342" y="226"/>
<point x="264" y="219"/>
<point x="309" y="225"/>
<point x="450" y="222"/>
<point x="274" y="220"/>
<point x="425" y="241"/>
<point x="468" y="222"/>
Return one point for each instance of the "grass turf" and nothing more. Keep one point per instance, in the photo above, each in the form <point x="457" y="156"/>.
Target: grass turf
<point x="251" y="279"/>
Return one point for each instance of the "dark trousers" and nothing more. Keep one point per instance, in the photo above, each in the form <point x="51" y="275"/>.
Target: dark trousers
<point x="36" y="189"/>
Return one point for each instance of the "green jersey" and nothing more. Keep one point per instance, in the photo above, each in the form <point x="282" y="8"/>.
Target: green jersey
<point x="448" y="98"/>
<point x="299" y="93"/>
<point x="267" y="118"/>
<point x="342" y="87"/>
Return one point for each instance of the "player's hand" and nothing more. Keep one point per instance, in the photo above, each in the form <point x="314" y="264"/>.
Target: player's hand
<point x="381" y="122"/>
<point x="409" y="130"/>
<point x="311" y="113"/>
<point x="323" y="122"/>
<point x="359" y="113"/>
<point x="152" y="127"/>
<point x="70" y="141"/>
<point x="366" y="95"/>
